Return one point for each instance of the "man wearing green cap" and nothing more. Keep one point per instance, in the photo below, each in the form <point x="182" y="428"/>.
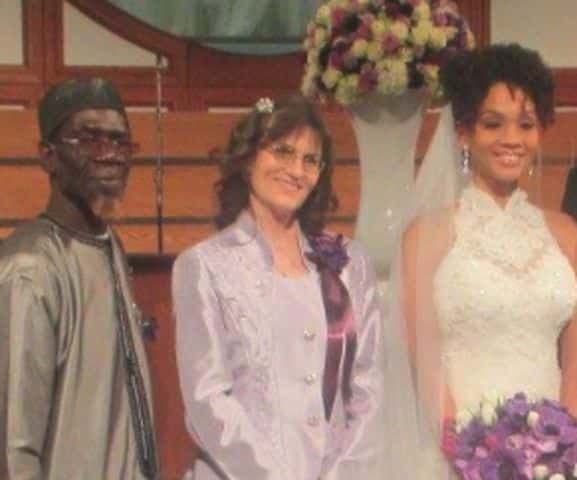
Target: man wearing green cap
<point x="75" y="396"/>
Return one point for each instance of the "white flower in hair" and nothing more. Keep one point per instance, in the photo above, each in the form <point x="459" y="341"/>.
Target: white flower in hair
<point x="264" y="105"/>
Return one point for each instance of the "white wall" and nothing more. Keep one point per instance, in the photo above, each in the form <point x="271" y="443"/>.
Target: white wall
<point x="549" y="27"/>
<point x="87" y="43"/>
<point x="11" y="40"/>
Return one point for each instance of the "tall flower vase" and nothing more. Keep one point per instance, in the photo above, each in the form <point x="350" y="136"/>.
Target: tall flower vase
<point x="386" y="130"/>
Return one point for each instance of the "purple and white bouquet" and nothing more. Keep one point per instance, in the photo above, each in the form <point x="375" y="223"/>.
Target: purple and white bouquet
<point x="516" y="439"/>
<point x="355" y="47"/>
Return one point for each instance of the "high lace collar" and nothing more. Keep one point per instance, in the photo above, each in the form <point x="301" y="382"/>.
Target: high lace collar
<point x="480" y="200"/>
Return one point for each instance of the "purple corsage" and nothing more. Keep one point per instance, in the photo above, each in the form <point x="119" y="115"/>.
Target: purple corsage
<point x="328" y="251"/>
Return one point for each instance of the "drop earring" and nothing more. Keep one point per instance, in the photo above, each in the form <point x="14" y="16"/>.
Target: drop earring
<point x="466" y="166"/>
<point x="535" y="162"/>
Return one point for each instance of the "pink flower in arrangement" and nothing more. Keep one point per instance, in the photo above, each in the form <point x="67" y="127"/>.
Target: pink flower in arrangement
<point x="440" y="19"/>
<point x="364" y="28"/>
<point x="391" y="43"/>
<point x="368" y="80"/>
<point x="338" y="18"/>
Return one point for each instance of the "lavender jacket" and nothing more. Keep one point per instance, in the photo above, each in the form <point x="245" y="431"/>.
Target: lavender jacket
<point x="230" y="377"/>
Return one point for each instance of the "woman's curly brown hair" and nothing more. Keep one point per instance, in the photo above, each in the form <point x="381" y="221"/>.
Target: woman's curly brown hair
<point x="467" y="78"/>
<point x="255" y="131"/>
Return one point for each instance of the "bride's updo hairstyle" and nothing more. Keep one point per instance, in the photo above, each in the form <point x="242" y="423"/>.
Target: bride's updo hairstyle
<point x="468" y="77"/>
<point x="267" y="122"/>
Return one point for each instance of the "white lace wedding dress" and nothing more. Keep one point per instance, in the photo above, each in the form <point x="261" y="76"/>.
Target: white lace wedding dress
<point x="503" y="294"/>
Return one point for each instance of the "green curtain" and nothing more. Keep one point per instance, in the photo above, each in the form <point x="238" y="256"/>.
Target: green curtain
<point x="238" y="26"/>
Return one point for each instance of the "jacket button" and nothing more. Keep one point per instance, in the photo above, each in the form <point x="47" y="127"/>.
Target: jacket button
<point x="310" y="379"/>
<point x="309" y="335"/>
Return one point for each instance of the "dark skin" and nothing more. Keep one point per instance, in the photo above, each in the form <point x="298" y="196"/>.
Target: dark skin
<point x="86" y="183"/>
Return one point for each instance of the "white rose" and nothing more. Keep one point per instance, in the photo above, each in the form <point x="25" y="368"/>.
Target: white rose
<point x="557" y="476"/>
<point x="532" y="418"/>
<point x="488" y="414"/>
<point x="540" y="472"/>
<point x="462" y="419"/>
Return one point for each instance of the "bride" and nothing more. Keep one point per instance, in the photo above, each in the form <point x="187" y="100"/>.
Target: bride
<point x="487" y="278"/>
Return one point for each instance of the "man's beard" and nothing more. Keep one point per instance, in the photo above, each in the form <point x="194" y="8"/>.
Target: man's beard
<point x="104" y="206"/>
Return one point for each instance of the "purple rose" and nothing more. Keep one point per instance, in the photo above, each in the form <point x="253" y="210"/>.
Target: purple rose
<point x="525" y="434"/>
<point x="328" y="251"/>
<point x="555" y="424"/>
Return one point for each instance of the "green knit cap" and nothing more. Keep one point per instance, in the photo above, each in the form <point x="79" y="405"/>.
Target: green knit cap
<point x="71" y="96"/>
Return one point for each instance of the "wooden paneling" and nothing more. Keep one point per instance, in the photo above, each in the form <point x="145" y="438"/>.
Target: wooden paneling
<point x="23" y="84"/>
<point x="152" y="292"/>
<point x="189" y="173"/>
<point x="478" y="15"/>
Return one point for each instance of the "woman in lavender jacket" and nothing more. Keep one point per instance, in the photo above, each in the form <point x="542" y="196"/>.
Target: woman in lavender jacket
<point x="278" y="323"/>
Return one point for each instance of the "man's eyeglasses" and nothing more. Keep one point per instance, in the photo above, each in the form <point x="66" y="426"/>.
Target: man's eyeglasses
<point x="286" y="155"/>
<point x="96" y="144"/>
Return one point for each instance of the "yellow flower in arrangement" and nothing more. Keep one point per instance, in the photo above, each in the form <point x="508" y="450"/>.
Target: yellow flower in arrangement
<point x="438" y="38"/>
<point x="346" y="88"/>
<point x="400" y="30"/>
<point x="359" y="48"/>
<point x="355" y="47"/>
<point x="422" y="11"/>
<point x="331" y="77"/>
<point x="375" y="50"/>
<point x="421" y="33"/>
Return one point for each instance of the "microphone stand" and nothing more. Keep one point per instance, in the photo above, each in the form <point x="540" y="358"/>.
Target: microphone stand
<point x="159" y="167"/>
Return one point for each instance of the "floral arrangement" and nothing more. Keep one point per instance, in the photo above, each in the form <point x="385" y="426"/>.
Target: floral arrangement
<point x="355" y="47"/>
<point x="328" y="251"/>
<point x="514" y="440"/>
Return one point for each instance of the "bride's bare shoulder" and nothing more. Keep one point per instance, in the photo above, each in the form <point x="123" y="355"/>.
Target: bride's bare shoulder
<point x="564" y="229"/>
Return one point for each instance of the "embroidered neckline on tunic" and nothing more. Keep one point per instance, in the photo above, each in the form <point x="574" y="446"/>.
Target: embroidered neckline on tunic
<point x="101" y="241"/>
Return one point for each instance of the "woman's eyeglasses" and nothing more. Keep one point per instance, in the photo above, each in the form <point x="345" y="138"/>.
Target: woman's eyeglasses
<point x="286" y="155"/>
